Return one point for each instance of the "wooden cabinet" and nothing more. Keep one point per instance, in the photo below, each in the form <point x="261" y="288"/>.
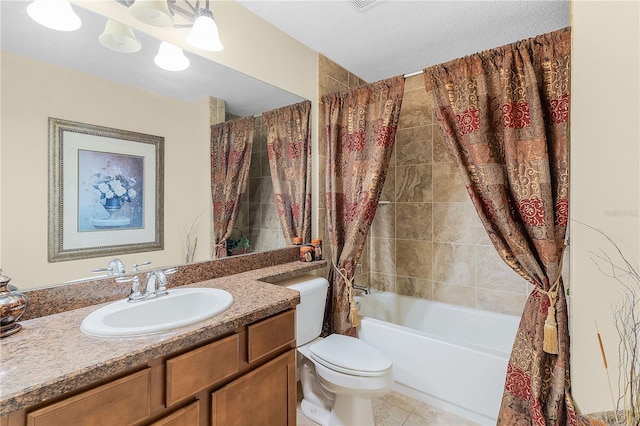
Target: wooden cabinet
<point x="189" y="373"/>
<point x="265" y="396"/>
<point x="185" y="416"/>
<point x="123" y="401"/>
<point x="244" y="378"/>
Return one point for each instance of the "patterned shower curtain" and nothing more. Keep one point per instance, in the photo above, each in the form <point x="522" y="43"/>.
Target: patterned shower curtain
<point x="361" y="130"/>
<point x="289" y="149"/>
<point x="231" y="144"/>
<point x="504" y="116"/>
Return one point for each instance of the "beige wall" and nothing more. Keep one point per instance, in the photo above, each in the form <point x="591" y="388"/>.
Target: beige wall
<point x="605" y="189"/>
<point x="32" y="92"/>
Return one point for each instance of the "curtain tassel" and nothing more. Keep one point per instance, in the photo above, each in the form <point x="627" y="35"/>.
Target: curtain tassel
<point x="354" y="317"/>
<point x="550" y="344"/>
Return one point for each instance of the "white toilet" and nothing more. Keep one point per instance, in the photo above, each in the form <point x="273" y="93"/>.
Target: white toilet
<point x="339" y="374"/>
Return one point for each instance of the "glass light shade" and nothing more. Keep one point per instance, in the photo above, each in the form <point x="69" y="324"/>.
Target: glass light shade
<point x="171" y="58"/>
<point x="55" y="14"/>
<point x="119" y="37"/>
<point x="204" y="34"/>
<point x="152" y="12"/>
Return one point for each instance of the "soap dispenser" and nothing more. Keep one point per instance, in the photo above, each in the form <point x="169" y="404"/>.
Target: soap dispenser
<point x="12" y="307"/>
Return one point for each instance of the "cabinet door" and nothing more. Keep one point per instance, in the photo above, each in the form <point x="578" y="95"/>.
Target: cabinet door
<point x="189" y="415"/>
<point x="200" y="368"/>
<point x="265" y="396"/>
<point x="122" y="402"/>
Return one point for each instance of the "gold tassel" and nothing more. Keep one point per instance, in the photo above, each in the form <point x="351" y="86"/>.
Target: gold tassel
<point x="550" y="344"/>
<point x="355" y="318"/>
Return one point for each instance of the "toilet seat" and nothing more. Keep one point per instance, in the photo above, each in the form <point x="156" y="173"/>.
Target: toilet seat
<point x="349" y="355"/>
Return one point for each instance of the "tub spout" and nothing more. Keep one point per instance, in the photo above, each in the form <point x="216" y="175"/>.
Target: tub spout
<point x="367" y="290"/>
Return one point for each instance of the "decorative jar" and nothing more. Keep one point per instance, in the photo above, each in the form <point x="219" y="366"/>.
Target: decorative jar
<point x="12" y="307"/>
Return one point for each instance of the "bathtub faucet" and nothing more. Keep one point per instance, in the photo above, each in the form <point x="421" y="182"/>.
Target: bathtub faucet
<point x="367" y="289"/>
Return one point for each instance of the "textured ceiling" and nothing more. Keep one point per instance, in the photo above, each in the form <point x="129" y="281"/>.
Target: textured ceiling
<point x="398" y="37"/>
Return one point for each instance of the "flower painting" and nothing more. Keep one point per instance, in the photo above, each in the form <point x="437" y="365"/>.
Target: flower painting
<point x="106" y="191"/>
<point x="110" y="191"/>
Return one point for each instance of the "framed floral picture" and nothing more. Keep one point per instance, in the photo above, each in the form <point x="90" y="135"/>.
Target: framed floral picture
<point x="105" y="191"/>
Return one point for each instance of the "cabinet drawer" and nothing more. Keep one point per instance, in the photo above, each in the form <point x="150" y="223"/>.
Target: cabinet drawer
<point x="270" y="335"/>
<point x="200" y="368"/>
<point x="122" y="402"/>
<point x="189" y="415"/>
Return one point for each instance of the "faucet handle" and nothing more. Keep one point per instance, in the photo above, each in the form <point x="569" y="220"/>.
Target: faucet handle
<point x="162" y="278"/>
<point x="116" y="266"/>
<point x="135" y="293"/>
<point x="170" y="271"/>
<point x="137" y="265"/>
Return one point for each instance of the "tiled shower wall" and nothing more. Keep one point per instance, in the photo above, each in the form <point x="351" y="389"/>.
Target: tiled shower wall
<point x="426" y="239"/>
<point x="258" y="218"/>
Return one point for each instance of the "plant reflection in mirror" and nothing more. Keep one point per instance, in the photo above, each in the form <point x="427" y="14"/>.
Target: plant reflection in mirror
<point x="191" y="240"/>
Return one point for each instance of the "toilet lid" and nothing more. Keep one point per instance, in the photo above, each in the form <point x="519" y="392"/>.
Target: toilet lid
<point x="350" y="355"/>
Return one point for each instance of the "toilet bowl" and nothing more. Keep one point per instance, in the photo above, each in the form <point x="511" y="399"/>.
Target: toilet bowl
<point x="339" y="374"/>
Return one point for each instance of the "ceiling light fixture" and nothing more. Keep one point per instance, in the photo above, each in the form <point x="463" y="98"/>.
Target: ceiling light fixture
<point x="204" y="34"/>
<point x="171" y="58"/>
<point x="55" y="14"/>
<point x="119" y="37"/>
<point x="152" y="12"/>
<point x="58" y="15"/>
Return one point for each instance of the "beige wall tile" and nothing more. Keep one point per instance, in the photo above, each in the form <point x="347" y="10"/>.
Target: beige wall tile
<point x="415" y="83"/>
<point x="448" y="184"/>
<point x="414" y="111"/>
<point x="454" y="223"/>
<point x="454" y="263"/>
<point x="328" y="67"/>
<point x="414" y="221"/>
<point x="389" y="187"/>
<point x="415" y="287"/>
<point x="383" y="255"/>
<point x="413" y="258"/>
<point x="414" y="183"/>
<point x="440" y="153"/>
<point x="414" y="146"/>
<point x="495" y="274"/>
<point x="455" y="294"/>
<point x="501" y="301"/>
<point x="383" y="282"/>
<point x="384" y="222"/>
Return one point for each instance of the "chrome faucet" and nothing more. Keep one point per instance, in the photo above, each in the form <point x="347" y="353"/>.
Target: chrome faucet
<point x="116" y="267"/>
<point x="157" y="282"/>
<point x="155" y="286"/>
<point x="367" y="289"/>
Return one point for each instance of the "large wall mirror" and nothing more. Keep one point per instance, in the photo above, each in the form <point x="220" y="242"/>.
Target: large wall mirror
<point x="70" y="76"/>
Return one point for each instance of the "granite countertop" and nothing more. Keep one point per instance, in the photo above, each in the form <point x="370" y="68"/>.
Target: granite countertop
<point x="51" y="356"/>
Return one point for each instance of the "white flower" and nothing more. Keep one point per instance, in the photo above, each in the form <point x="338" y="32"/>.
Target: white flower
<point x="132" y="193"/>
<point x="117" y="187"/>
<point x="109" y="194"/>
<point x="104" y="188"/>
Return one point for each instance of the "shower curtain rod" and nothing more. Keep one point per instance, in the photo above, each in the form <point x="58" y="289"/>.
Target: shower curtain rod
<point x="411" y="74"/>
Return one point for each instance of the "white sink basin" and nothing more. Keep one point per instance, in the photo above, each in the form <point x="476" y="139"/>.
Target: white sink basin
<point x="182" y="306"/>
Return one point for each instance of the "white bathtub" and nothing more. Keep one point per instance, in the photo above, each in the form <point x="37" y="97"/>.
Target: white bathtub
<point x="450" y="357"/>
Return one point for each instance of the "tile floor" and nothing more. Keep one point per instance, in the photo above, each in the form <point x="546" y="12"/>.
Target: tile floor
<point x="396" y="409"/>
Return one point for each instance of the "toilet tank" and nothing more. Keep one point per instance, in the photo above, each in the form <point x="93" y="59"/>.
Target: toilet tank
<point x="310" y="311"/>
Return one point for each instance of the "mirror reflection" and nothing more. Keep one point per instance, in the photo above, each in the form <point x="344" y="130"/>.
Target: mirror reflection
<point x="70" y="75"/>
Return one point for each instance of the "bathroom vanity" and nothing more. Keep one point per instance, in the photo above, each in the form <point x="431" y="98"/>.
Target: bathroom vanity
<point x="235" y="368"/>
